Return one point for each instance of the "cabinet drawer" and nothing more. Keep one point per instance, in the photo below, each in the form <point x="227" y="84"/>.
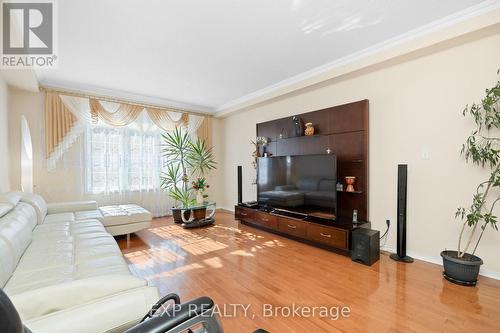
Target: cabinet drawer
<point x="266" y="220"/>
<point x="245" y="214"/>
<point x="329" y="236"/>
<point x="292" y="227"/>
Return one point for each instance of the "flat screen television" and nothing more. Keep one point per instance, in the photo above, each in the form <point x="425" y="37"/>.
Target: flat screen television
<point x="303" y="184"/>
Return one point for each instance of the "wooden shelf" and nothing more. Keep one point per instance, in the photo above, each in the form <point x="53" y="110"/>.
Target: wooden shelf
<point x="351" y="161"/>
<point x="350" y="192"/>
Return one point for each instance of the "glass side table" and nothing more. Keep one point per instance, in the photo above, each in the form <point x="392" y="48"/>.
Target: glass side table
<point x="200" y="215"/>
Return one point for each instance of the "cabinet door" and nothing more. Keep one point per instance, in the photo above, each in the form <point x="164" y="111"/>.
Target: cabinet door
<point x="243" y="214"/>
<point x="292" y="227"/>
<point x="266" y="220"/>
<point x="329" y="236"/>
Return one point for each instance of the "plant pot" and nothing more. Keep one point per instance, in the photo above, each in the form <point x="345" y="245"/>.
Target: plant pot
<point x="198" y="214"/>
<point x="176" y="212"/>
<point x="199" y="197"/>
<point x="463" y="271"/>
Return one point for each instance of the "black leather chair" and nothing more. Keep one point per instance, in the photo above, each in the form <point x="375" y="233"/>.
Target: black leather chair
<point x="197" y="316"/>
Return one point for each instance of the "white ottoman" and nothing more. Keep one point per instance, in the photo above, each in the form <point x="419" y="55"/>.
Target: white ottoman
<point x="125" y="219"/>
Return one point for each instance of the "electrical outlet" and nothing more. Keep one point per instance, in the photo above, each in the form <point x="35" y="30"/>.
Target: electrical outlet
<point x="425" y="154"/>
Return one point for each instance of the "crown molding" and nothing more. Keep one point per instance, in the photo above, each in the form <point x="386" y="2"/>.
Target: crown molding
<point x="471" y="19"/>
<point x="125" y="96"/>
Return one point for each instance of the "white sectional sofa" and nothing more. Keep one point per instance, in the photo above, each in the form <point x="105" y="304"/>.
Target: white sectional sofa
<point x="63" y="271"/>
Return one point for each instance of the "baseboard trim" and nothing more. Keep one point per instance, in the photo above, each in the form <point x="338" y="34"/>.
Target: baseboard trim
<point x="430" y="259"/>
<point x="438" y="261"/>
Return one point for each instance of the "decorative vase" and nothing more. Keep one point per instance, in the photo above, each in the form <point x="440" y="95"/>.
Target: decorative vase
<point x="309" y="129"/>
<point x="349" y="180"/>
<point x="298" y="126"/>
<point x="199" y="197"/>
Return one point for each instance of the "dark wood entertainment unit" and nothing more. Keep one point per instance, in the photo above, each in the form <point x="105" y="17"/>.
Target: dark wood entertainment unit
<point x="341" y="130"/>
<point x="333" y="236"/>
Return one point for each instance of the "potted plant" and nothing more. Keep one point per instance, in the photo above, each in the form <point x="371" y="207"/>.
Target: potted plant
<point x="483" y="149"/>
<point x="199" y="186"/>
<point x="185" y="158"/>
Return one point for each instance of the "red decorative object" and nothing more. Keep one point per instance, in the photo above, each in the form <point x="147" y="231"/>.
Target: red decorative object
<point x="349" y="180"/>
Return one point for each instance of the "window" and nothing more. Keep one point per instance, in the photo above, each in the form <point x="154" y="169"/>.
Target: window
<point x="122" y="159"/>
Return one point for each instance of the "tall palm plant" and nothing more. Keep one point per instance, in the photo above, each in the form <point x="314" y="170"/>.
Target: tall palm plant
<point x="185" y="158"/>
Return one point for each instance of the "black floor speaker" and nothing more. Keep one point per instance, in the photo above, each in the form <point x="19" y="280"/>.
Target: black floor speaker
<point x="240" y="184"/>
<point x="365" y="246"/>
<point x="402" y="193"/>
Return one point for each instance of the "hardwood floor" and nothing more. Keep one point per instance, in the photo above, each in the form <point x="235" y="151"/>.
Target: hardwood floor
<point x="233" y="263"/>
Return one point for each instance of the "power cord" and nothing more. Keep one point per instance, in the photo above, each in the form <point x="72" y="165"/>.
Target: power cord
<point x="384" y="236"/>
<point x="388" y="222"/>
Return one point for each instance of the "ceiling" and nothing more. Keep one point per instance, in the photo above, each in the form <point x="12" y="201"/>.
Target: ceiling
<point x="204" y="55"/>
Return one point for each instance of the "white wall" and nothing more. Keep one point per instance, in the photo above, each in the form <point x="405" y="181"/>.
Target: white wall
<point x="4" y="146"/>
<point x="415" y="107"/>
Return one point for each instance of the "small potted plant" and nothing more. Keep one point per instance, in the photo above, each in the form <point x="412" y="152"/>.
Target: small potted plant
<point x="184" y="158"/>
<point x="483" y="149"/>
<point x="199" y="186"/>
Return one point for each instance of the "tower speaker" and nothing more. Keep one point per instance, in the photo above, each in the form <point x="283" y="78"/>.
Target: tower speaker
<point x="402" y="192"/>
<point x="240" y="184"/>
<point x="365" y="246"/>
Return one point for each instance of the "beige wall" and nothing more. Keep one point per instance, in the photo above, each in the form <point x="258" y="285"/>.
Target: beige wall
<point x="62" y="184"/>
<point x="415" y="108"/>
<point x="4" y="145"/>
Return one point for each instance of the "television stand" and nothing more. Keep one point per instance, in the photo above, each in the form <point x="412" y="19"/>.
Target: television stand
<point x="328" y="234"/>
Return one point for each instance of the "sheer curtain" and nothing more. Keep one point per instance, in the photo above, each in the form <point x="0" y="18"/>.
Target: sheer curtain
<point x="124" y="164"/>
<point x="112" y="152"/>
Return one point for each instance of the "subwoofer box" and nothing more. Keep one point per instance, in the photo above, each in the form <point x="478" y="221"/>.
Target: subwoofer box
<point x="365" y="246"/>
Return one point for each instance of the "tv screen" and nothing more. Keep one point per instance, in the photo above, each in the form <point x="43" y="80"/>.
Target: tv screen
<point x="303" y="184"/>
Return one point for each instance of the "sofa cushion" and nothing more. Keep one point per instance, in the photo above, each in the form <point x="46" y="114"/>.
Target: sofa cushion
<point x="89" y="214"/>
<point x="42" y="301"/>
<point x="67" y="251"/>
<point x="60" y="217"/>
<point x="16" y="228"/>
<point x="124" y="214"/>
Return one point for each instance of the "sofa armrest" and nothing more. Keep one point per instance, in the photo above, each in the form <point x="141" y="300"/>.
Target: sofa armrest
<point x="71" y="206"/>
<point x="43" y="301"/>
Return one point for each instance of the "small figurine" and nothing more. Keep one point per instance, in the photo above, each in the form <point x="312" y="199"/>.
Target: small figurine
<point x="349" y="180"/>
<point x="298" y="126"/>
<point x="309" y="129"/>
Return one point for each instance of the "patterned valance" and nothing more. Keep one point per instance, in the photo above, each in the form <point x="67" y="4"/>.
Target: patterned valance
<point x="66" y="116"/>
